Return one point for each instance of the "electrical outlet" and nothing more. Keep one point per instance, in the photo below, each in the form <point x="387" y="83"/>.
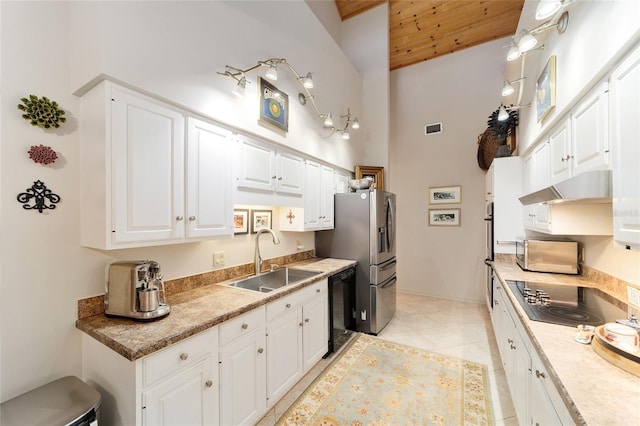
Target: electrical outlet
<point x="633" y="296"/>
<point x="218" y="258"/>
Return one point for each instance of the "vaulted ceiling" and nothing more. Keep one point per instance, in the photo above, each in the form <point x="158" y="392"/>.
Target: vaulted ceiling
<point x="420" y="30"/>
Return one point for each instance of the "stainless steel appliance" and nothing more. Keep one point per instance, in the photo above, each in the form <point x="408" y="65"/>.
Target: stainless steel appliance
<point x="489" y="254"/>
<point x="566" y="305"/>
<point x="548" y="256"/>
<point x="365" y="231"/>
<point x="134" y="289"/>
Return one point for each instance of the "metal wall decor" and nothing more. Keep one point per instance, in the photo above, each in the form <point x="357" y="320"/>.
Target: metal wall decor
<point x="42" y="112"/>
<point x="42" y="154"/>
<point x="39" y="194"/>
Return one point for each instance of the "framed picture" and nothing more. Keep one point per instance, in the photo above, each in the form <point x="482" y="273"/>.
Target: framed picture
<point x="260" y="219"/>
<point x="240" y="221"/>
<point x="445" y="195"/>
<point x="374" y="173"/>
<point x="274" y="106"/>
<point x="546" y="89"/>
<point x="444" y="217"/>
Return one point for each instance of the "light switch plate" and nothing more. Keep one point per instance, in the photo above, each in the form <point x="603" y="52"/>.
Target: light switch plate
<point x="218" y="258"/>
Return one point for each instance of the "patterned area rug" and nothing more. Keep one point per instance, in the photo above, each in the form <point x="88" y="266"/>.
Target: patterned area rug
<point x="375" y="382"/>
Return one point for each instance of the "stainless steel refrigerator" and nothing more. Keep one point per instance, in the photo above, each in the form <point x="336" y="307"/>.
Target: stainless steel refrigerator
<point x="365" y="230"/>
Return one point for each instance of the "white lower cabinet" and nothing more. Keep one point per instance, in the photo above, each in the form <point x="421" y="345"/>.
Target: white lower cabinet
<point x="177" y="385"/>
<point x="243" y="369"/>
<point x="535" y="397"/>
<point x="297" y="337"/>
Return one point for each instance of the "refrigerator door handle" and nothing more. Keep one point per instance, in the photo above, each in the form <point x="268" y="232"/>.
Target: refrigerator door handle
<point x="391" y="232"/>
<point x="388" y="265"/>
<point x="389" y="283"/>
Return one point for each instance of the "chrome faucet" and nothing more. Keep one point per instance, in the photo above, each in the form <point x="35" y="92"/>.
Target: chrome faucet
<point x="257" y="257"/>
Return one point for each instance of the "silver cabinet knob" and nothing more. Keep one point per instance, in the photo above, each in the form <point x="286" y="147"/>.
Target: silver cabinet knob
<point x="184" y="356"/>
<point x="208" y="383"/>
<point x="245" y="326"/>
<point x="306" y="320"/>
<point x="274" y="177"/>
<point x="540" y="374"/>
<point x="317" y="290"/>
<point x="192" y="218"/>
<point x="288" y="305"/>
<point x="179" y="218"/>
<point x="301" y="324"/>
<point x="280" y="178"/>
<point x="260" y="350"/>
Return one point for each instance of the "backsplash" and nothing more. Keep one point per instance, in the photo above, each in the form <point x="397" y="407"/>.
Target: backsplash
<point x="612" y="285"/>
<point x="95" y="305"/>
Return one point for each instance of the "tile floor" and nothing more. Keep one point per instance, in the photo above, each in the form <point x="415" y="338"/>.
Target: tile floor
<point x="446" y="326"/>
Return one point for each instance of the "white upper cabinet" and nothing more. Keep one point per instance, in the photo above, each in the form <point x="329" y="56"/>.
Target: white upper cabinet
<point x="266" y="174"/>
<point x="135" y="188"/>
<point x="590" y="132"/>
<point x="560" y="152"/>
<point x="209" y="180"/>
<point x="625" y="136"/>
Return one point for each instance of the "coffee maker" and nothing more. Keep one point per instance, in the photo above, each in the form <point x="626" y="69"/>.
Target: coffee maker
<point x="134" y="289"/>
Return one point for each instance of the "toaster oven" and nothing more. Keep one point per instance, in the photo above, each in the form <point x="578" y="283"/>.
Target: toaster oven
<point x="548" y="256"/>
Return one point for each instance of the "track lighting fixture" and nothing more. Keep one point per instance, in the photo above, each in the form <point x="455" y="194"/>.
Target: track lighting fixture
<point x="306" y="81"/>
<point x="503" y="112"/>
<point x="548" y="8"/>
<point x="526" y="40"/>
<point x="507" y="88"/>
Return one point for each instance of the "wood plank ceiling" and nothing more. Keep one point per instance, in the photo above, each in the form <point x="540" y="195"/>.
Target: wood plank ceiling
<point x="420" y="30"/>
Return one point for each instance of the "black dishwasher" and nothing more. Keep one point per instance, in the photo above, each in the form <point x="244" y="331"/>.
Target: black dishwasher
<point x="342" y="308"/>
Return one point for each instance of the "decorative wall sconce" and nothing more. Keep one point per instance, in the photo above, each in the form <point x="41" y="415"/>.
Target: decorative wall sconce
<point x="504" y="113"/>
<point x="306" y="82"/>
<point x="548" y="8"/>
<point x="525" y="41"/>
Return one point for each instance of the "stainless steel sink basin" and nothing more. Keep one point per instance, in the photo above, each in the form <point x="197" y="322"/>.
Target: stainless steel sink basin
<point x="274" y="280"/>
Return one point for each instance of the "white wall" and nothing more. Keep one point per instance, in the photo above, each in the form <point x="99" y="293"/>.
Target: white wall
<point x="458" y="90"/>
<point x="172" y="49"/>
<point x="598" y="35"/>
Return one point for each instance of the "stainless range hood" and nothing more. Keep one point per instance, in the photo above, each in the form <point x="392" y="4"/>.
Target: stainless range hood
<point x="591" y="187"/>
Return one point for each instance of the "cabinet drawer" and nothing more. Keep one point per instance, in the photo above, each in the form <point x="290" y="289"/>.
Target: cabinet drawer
<point x="539" y="373"/>
<point x="240" y="326"/>
<point x="180" y="355"/>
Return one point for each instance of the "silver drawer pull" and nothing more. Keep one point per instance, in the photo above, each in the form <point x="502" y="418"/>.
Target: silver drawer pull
<point x="184" y="356"/>
<point x="540" y="374"/>
<point x="208" y="383"/>
<point x="245" y="326"/>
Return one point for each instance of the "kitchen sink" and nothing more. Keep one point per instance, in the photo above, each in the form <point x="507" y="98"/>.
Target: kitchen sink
<point x="274" y="280"/>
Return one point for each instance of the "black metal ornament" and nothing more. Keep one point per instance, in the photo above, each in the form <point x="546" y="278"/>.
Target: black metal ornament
<point x="39" y="194"/>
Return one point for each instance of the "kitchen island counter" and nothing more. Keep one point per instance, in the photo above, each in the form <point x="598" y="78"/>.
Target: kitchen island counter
<point x="194" y="311"/>
<point x="595" y="391"/>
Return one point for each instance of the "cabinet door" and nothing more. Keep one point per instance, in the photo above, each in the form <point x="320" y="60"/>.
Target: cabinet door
<point x="284" y="354"/>
<point x="312" y="214"/>
<point x="527" y="188"/>
<point x="315" y="329"/>
<point x="625" y="132"/>
<point x="560" y="152"/>
<point x="209" y="174"/>
<point x="187" y="398"/>
<point x="541" y="178"/>
<point x="256" y="165"/>
<point x="327" y="191"/>
<point x="243" y="380"/>
<point x="147" y="169"/>
<point x="290" y="173"/>
<point x="590" y="132"/>
<point x="341" y="181"/>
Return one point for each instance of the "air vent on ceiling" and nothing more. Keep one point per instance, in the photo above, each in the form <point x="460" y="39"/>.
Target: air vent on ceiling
<point x="432" y="129"/>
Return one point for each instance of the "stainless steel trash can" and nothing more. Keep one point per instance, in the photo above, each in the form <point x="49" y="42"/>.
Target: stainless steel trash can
<point x="64" y="402"/>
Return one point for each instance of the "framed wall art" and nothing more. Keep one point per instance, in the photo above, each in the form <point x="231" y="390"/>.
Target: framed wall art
<point x="444" y="217"/>
<point x="374" y="173"/>
<point x="274" y="106"/>
<point x="260" y="219"/>
<point x="546" y="90"/>
<point x="240" y="221"/>
<point x="445" y="195"/>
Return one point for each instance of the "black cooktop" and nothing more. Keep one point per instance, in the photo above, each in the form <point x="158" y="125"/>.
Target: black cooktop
<point x="567" y="305"/>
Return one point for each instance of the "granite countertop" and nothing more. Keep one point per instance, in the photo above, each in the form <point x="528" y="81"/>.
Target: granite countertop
<point x="194" y="311"/>
<point x="595" y="391"/>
